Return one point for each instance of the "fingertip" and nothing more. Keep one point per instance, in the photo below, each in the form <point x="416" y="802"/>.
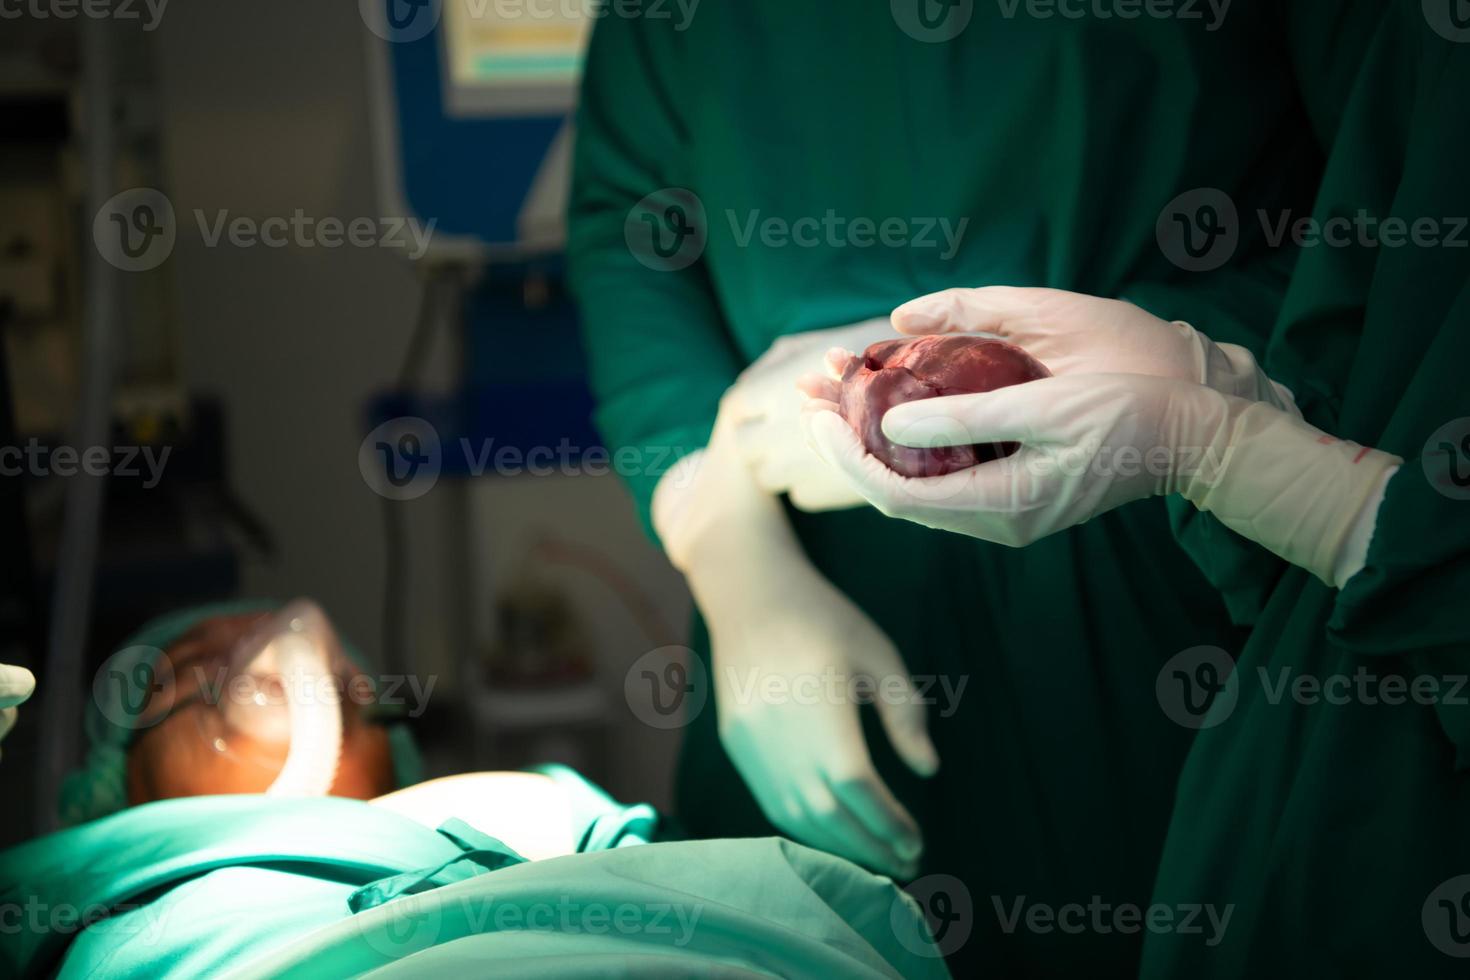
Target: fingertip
<point x="16" y="684"/>
<point x="916" y="320"/>
<point x="837" y="360"/>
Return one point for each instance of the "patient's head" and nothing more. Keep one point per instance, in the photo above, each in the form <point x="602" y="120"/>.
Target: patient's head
<point x="243" y="691"/>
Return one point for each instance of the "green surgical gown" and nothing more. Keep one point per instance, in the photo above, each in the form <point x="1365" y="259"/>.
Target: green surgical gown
<point x="1060" y="142"/>
<point x="1329" y="804"/>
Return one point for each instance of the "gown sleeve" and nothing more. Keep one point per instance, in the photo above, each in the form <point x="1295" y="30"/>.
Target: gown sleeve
<point x="1374" y="335"/>
<point x="659" y="354"/>
<point x="1410" y="598"/>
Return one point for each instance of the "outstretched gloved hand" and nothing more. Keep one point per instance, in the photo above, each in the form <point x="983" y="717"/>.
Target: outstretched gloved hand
<point x="793" y="659"/>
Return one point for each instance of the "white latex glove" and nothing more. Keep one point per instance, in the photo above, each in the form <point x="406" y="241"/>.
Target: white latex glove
<point x="1091" y="442"/>
<point x="764" y="409"/>
<point x="783" y="638"/>
<point x="16" y="685"/>
<point x="1072" y="333"/>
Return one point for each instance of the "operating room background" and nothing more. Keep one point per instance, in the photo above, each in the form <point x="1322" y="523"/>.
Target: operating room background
<point x="264" y="109"/>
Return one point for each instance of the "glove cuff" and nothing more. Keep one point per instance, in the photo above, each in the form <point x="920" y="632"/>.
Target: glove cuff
<point x="1288" y="486"/>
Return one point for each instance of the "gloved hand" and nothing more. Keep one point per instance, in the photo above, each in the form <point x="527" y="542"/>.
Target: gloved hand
<point x="786" y="645"/>
<point x="16" y="685"/>
<point x="764" y="409"/>
<point x="1072" y="333"/>
<point x="1090" y="442"/>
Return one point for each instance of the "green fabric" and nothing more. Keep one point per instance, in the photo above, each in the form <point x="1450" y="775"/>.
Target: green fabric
<point x="1061" y="141"/>
<point x="99" y="787"/>
<point x="1329" y="826"/>
<point x="249" y="886"/>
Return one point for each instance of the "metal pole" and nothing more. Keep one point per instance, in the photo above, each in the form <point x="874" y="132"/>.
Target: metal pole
<point x="81" y="524"/>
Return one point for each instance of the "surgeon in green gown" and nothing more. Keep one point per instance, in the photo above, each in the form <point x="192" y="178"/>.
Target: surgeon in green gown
<point x="754" y="181"/>
<point x="1337" y="825"/>
<point x="1321" y="813"/>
